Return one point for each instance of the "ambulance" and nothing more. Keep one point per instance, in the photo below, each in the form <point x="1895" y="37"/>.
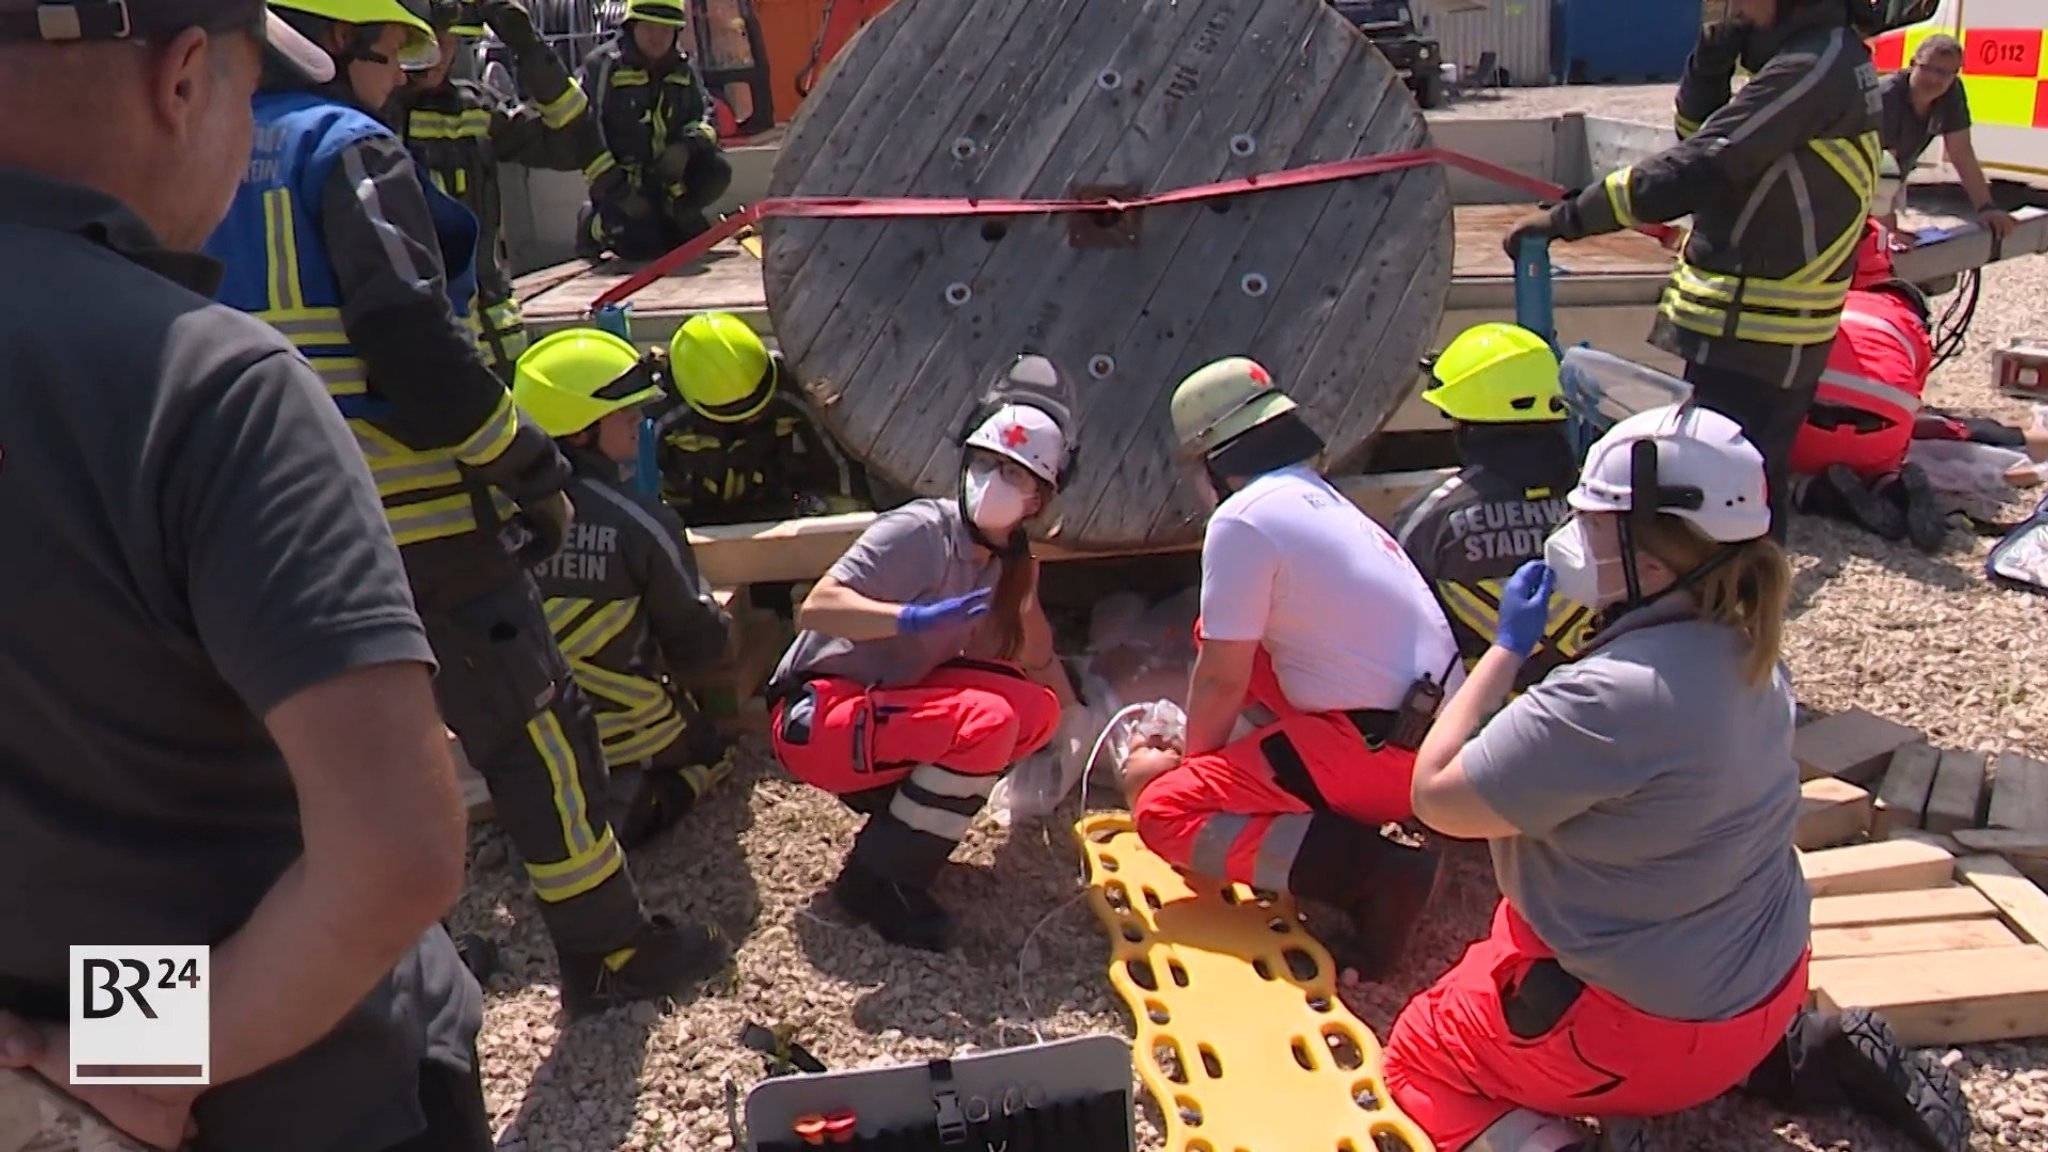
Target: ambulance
<point x="2005" y="74"/>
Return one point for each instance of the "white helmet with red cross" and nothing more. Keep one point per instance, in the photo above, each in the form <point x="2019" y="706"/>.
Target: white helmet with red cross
<point x="1026" y="432"/>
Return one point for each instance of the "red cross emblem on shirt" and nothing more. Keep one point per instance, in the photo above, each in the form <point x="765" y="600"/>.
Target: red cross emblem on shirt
<point x="1014" y="436"/>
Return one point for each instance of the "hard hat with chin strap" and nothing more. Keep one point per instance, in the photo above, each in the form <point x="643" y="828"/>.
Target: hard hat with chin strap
<point x="1497" y="374"/>
<point x="721" y="368"/>
<point x="667" y="13"/>
<point x="1222" y="401"/>
<point x="1679" y="460"/>
<point x="571" y="379"/>
<point x="1027" y="434"/>
<point x="419" y="50"/>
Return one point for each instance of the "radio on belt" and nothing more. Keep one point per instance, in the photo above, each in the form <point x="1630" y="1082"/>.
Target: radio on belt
<point x="1417" y="712"/>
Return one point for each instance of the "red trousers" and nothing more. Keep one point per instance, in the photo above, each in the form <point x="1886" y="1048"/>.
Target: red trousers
<point x="1221" y="813"/>
<point x="975" y="718"/>
<point x="1454" y="1066"/>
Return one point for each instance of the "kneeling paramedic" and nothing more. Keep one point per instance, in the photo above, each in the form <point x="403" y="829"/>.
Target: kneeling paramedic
<point x="738" y="445"/>
<point x="658" y="126"/>
<point x="461" y="131"/>
<point x="624" y="596"/>
<point x="1850" y="456"/>
<point x="1650" y="949"/>
<point x="336" y="238"/>
<point x="1319" y="634"/>
<point x="1498" y="384"/>
<point x="1778" y="180"/>
<point x="925" y="667"/>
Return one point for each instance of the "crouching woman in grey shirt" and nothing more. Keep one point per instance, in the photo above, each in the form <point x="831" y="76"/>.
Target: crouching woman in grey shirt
<point x="1650" y="949"/>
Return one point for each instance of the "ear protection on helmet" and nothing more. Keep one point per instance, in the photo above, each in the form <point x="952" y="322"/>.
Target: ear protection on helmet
<point x="1034" y="381"/>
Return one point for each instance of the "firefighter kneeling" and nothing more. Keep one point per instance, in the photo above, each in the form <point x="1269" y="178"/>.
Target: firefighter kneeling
<point x="1850" y="457"/>
<point x="1498" y="384"/>
<point x="1317" y="631"/>
<point x="624" y="596"/>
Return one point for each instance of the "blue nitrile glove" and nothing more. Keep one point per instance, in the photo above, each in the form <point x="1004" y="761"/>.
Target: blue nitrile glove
<point x="915" y="618"/>
<point x="1525" y="608"/>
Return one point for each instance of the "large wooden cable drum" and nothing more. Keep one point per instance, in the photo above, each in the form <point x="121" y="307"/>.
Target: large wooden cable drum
<point x="897" y="327"/>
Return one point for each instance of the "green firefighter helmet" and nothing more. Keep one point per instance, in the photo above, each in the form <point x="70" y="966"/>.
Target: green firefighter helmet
<point x="1221" y="402"/>
<point x="1496" y="374"/>
<point x="571" y="379"/>
<point x="668" y="13"/>
<point x="420" y="50"/>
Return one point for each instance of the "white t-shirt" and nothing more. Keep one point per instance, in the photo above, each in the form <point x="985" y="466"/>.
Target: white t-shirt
<point x="1340" y="609"/>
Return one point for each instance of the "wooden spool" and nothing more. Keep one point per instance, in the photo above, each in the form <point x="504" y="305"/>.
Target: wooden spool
<point x="896" y="327"/>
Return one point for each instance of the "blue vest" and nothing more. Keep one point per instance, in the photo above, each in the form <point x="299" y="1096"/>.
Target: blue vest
<point x="274" y="248"/>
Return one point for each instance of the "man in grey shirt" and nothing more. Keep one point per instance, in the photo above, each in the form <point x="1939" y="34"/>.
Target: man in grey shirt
<point x="217" y="724"/>
<point x="1925" y="101"/>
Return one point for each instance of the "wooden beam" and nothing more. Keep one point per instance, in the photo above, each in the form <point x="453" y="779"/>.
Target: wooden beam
<point x="2019" y="793"/>
<point x="1900" y="939"/>
<point x="1957" y="799"/>
<point x="1902" y="798"/>
<point x="1832" y="812"/>
<point x="788" y="550"/>
<point x="1883" y="866"/>
<point x="1853" y="745"/>
<point x="2010" y="842"/>
<point x="2018" y="899"/>
<point x="1938" y="998"/>
<point x="1870" y="909"/>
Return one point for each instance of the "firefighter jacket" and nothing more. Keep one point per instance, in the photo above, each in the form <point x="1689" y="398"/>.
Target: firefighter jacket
<point x="629" y="609"/>
<point x="336" y="239"/>
<point x="1469" y="534"/>
<point x="1778" y="181"/>
<point x="1869" y="396"/>
<point x="460" y="133"/>
<point x="772" y="467"/>
<point x="644" y="107"/>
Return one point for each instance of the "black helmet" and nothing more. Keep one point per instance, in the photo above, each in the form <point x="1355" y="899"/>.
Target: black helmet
<point x="1876" y="17"/>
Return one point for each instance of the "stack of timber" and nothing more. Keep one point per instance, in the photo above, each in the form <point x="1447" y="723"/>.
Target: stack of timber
<point x="1919" y="861"/>
<point x="897" y="326"/>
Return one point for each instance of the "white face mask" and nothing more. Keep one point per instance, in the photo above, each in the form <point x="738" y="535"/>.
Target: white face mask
<point x="994" y="504"/>
<point x="1570" y="554"/>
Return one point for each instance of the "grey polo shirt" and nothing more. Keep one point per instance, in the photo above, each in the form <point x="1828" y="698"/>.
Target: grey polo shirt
<point x="1656" y="796"/>
<point x="1904" y="132"/>
<point x="194" y="538"/>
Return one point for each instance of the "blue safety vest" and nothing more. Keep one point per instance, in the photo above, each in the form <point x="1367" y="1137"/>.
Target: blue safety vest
<point x="277" y="269"/>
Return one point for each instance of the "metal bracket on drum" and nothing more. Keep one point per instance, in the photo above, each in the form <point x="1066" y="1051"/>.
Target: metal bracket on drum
<point x="1105" y="229"/>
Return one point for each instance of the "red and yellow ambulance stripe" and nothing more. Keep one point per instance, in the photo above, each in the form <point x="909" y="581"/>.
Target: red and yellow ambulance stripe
<point x="2005" y="70"/>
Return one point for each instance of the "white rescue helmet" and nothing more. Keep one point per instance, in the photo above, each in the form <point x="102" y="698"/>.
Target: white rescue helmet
<point x="1027" y="434"/>
<point x="1684" y="461"/>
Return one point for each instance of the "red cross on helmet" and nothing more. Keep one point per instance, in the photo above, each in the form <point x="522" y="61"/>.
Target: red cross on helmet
<point x="1026" y="434"/>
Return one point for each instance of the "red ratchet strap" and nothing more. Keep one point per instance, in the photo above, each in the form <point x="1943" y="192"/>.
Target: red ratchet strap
<point x="906" y="208"/>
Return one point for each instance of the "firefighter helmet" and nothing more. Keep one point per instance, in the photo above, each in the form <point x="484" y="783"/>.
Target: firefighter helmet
<point x="1496" y="374"/>
<point x="668" y="13"/>
<point x="721" y="369"/>
<point x="571" y="379"/>
<point x="420" y="50"/>
<point x="1221" y="402"/>
<point x="1876" y="17"/>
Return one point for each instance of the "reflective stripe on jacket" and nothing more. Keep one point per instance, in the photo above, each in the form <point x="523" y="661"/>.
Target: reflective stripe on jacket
<point x="1863" y="412"/>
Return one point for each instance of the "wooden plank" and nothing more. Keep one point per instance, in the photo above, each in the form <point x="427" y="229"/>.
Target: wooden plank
<point x="1852" y="745"/>
<point x="1480" y="228"/>
<point x="727" y="279"/>
<point x="2010" y="842"/>
<point x="1336" y="287"/>
<point x="1938" y="998"/>
<point x="1957" y="799"/>
<point x="1941" y="840"/>
<point x="2019" y="899"/>
<point x="1883" y="866"/>
<point x="803" y="549"/>
<point x="1902" y="798"/>
<point x="1832" y="812"/>
<point x="1870" y="909"/>
<point x="2019" y="793"/>
<point x="1899" y="939"/>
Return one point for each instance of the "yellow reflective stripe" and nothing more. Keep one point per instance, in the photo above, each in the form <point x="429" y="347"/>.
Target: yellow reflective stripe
<point x="564" y="108"/>
<point x="1618" y="198"/>
<point x="1683" y="126"/>
<point x="491" y="440"/>
<point x="604" y="163"/>
<point x="1468" y="608"/>
<point x="598" y="629"/>
<point x="628" y="77"/>
<point x="593" y="856"/>
<point x="582" y="872"/>
<point x="618" y="687"/>
<point x="427" y="520"/>
<point x="471" y="122"/>
<point x="644" y="743"/>
<point x="562" y="611"/>
<point x="613" y="723"/>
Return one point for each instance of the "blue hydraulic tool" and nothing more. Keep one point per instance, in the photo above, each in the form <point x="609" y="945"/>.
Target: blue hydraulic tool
<point x="1534" y="309"/>
<point x="617" y="319"/>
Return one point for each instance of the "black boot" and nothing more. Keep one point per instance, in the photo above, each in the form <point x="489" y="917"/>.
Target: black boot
<point x="1854" y="1060"/>
<point x="1926" y="514"/>
<point x="1382" y="885"/>
<point x="662" y="964"/>
<point x="663" y="797"/>
<point x="1849" y="498"/>
<point x="904" y="914"/>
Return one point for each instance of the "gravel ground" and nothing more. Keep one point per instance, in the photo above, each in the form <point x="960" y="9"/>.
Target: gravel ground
<point x="1925" y="641"/>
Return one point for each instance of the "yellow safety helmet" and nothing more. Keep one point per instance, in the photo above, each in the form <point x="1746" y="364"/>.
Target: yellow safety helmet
<point x="421" y="48"/>
<point x="721" y="368"/>
<point x="1221" y="402"/>
<point x="573" y="378"/>
<point x="668" y="13"/>
<point x="1497" y="374"/>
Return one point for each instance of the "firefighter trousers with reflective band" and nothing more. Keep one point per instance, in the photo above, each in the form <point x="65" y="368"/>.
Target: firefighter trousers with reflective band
<point x="1770" y="417"/>
<point x="1240" y="813"/>
<point x="921" y="760"/>
<point x="506" y="690"/>
<point x="1507" y="1028"/>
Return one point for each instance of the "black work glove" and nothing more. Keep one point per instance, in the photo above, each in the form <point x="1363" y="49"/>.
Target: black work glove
<point x="513" y="24"/>
<point x="1535" y="224"/>
<point x="536" y="532"/>
<point x="1719" y="48"/>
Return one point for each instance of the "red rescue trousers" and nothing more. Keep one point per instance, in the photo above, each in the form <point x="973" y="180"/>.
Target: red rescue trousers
<point x="1239" y="813"/>
<point x="1455" y="1066"/>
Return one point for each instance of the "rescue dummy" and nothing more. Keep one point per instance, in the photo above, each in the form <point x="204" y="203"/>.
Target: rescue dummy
<point x="924" y="668"/>
<point x="658" y="126"/>
<point x="624" y="595"/>
<point x="1650" y="950"/>
<point x="338" y="239"/>
<point x="1850" y="457"/>
<point x="461" y="131"/>
<point x="1467" y="535"/>
<point x="737" y="445"/>
<point x="1319" y="634"/>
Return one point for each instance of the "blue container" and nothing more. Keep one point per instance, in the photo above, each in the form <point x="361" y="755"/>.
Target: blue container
<point x="1622" y="41"/>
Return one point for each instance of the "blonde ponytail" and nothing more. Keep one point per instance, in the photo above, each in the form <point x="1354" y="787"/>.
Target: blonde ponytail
<point x="1749" y="590"/>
